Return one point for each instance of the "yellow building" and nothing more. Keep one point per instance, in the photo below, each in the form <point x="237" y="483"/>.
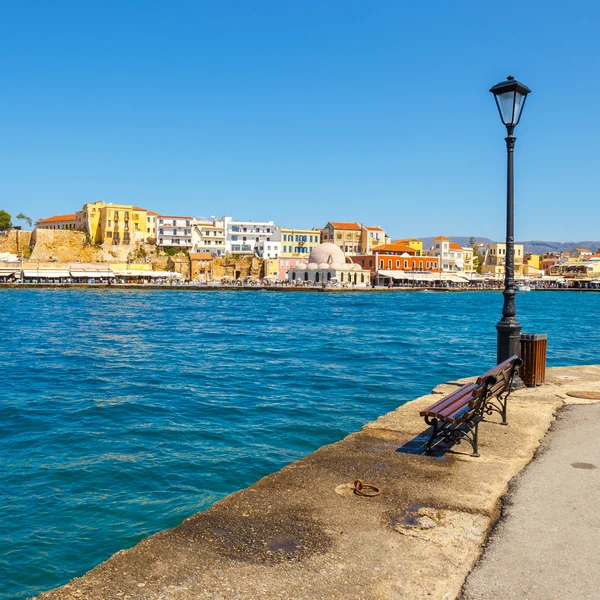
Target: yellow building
<point x="533" y="260"/>
<point x="412" y="243"/>
<point x="114" y="223"/>
<point x="298" y="242"/>
<point x="495" y="259"/>
<point x="371" y="238"/>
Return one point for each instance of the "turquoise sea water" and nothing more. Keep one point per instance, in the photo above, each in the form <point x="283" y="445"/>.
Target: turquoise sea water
<point x="123" y="412"/>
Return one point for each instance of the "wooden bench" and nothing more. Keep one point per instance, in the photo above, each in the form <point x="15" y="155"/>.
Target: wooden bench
<point x="498" y="394"/>
<point x="456" y="417"/>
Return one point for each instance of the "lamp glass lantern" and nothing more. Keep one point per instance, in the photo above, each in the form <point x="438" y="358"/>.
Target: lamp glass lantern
<point x="510" y="96"/>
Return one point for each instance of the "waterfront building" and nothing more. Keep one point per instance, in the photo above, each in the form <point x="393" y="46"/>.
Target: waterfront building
<point x="276" y="268"/>
<point x="533" y="260"/>
<point x="451" y="255"/>
<point x="327" y="265"/>
<point x="209" y="236"/>
<point x="151" y="226"/>
<point x="413" y="243"/>
<point x="201" y="265"/>
<point x="113" y="223"/>
<point x="346" y="236"/>
<point x="587" y="270"/>
<point x="262" y="238"/>
<point x="174" y="231"/>
<point x="298" y="242"/>
<point x="468" y="259"/>
<point x="547" y="263"/>
<point x="63" y="222"/>
<point x="396" y="257"/>
<point x="495" y="259"/>
<point x="371" y="237"/>
<point x="580" y="254"/>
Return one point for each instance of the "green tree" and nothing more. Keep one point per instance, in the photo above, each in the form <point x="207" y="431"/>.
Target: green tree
<point x="22" y="217"/>
<point x="476" y="261"/>
<point x="5" y="222"/>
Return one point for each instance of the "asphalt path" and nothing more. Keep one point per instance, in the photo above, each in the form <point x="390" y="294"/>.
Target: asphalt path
<point x="547" y="545"/>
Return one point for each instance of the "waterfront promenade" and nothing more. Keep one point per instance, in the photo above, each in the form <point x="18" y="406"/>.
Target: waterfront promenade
<point x="302" y="533"/>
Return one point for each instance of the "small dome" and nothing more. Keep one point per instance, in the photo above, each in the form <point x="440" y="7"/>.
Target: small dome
<point x="325" y="266"/>
<point x="301" y="267"/>
<point x="356" y="267"/>
<point x="337" y="266"/>
<point x="312" y="266"/>
<point x="327" y="253"/>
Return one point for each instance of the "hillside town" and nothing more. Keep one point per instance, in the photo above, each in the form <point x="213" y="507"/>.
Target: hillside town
<point x="106" y="243"/>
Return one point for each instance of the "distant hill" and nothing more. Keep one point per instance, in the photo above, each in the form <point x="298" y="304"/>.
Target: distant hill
<point x="533" y="246"/>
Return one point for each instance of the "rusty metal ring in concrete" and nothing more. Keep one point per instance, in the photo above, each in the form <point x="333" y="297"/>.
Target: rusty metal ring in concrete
<point x="584" y="394"/>
<point x="364" y="489"/>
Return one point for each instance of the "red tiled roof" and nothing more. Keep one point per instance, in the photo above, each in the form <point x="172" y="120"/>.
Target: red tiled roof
<point x="138" y="208"/>
<point x="441" y="237"/>
<point x="582" y="250"/>
<point x="455" y="246"/>
<point x="339" y="225"/>
<point x="404" y="240"/>
<point x="374" y="228"/>
<point x="57" y="218"/>
<point x="393" y="248"/>
<point x="152" y="213"/>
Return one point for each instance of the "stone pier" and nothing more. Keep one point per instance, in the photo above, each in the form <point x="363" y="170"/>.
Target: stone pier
<point x="303" y="533"/>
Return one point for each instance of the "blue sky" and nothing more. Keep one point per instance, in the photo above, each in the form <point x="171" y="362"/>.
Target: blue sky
<point x="304" y="112"/>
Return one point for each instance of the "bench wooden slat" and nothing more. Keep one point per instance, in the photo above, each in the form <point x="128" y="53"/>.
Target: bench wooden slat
<point x="458" y="413"/>
<point x="449" y="399"/>
<point x="503" y="367"/>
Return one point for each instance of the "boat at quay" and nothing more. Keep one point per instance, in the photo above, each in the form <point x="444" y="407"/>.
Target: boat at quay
<point x="128" y="410"/>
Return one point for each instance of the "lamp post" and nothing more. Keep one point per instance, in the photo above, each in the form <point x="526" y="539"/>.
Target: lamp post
<point x="510" y="96"/>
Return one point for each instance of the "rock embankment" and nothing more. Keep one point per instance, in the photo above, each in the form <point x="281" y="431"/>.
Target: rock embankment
<point x="303" y="533"/>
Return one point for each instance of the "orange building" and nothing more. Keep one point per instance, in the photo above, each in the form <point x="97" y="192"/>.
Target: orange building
<point x="396" y="257"/>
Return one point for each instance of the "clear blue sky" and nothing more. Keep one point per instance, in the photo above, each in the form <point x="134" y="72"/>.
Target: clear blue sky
<point x="304" y="111"/>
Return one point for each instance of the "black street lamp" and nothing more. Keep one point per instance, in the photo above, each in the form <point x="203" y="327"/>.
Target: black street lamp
<point x="510" y="96"/>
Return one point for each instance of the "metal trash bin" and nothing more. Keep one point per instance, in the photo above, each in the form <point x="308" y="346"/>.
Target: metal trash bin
<point x="533" y="353"/>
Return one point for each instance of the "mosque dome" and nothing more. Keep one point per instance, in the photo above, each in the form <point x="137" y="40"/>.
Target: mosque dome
<point x="327" y="253"/>
<point x="356" y="267"/>
<point x="325" y="266"/>
<point x="301" y="266"/>
<point x="312" y="266"/>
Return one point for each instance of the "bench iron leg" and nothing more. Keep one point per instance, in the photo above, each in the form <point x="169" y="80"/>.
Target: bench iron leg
<point x="434" y="424"/>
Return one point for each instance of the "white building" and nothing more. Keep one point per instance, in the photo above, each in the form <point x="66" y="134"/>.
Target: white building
<point x="208" y="235"/>
<point x="327" y="265"/>
<point x="451" y="255"/>
<point x="262" y="238"/>
<point x="174" y="231"/>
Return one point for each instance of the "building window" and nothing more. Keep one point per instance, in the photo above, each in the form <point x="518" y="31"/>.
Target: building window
<point x="381" y="264"/>
<point x="109" y="223"/>
<point x="109" y="234"/>
<point x="397" y="264"/>
<point x="389" y="263"/>
<point x="362" y="277"/>
<point x="328" y="275"/>
<point x="406" y="264"/>
<point x="317" y="277"/>
<point x="305" y="276"/>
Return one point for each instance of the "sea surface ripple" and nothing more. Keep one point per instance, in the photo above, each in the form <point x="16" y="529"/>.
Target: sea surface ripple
<point x="124" y="412"/>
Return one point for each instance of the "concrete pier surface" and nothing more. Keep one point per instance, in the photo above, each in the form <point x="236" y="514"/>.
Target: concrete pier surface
<point x="546" y="545"/>
<point x="302" y="533"/>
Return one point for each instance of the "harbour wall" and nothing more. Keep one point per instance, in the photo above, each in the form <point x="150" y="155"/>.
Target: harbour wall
<point x="303" y="533"/>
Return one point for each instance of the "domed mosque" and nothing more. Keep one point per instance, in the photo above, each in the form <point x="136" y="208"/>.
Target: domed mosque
<point x="327" y="264"/>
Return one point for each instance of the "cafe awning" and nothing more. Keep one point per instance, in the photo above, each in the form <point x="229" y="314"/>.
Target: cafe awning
<point x="92" y="273"/>
<point x="46" y="273"/>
